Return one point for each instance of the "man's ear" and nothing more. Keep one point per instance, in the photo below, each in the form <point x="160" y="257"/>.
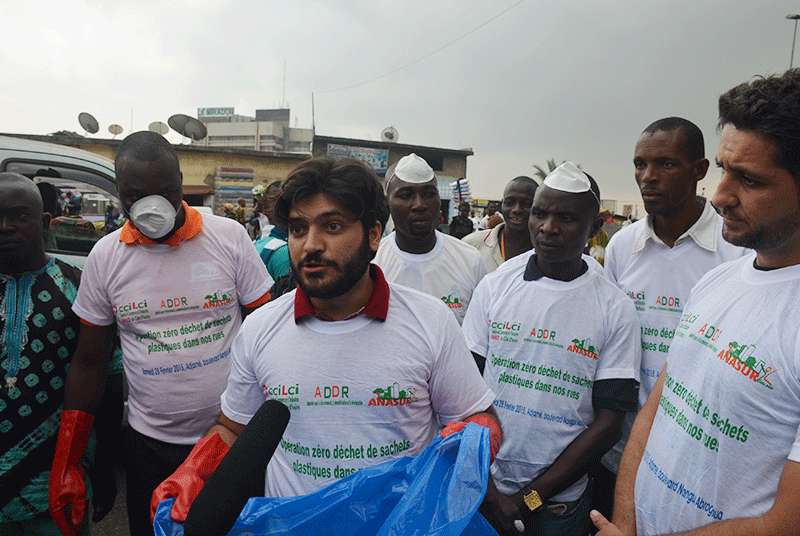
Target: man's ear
<point x="597" y="224"/>
<point x="701" y="168"/>
<point x="374" y="236"/>
<point x="46" y="217"/>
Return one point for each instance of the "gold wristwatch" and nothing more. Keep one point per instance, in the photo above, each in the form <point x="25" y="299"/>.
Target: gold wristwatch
<point x="532" y="499"/>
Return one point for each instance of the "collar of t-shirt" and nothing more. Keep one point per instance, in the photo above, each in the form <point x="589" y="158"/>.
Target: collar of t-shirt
<point x="419" y="257"/>
<point x="191" y="227"/>
<point x="533" y="273"/>
<point x="377" y="306"/>
<point x="492" y="239"/>
<point x="704" y="232"/>
<point x="276" y="232"/>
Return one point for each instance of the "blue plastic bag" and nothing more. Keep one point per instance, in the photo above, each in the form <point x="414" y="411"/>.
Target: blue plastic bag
<point x="436" y="492"/>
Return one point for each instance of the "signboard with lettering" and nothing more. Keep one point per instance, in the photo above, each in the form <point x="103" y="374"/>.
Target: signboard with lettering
<point x="377" y="159"/>
<point x="215" y="112"/>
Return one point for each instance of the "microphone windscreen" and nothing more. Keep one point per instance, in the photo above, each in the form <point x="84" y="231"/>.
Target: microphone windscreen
<point x="240" y="475"/>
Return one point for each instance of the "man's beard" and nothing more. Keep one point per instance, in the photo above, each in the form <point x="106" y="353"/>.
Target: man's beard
<point x="348" y="275"/>
<point x="769" y="236"/>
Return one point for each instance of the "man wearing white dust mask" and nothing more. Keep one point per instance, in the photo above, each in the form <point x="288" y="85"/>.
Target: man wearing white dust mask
<point x="174" y="282"/>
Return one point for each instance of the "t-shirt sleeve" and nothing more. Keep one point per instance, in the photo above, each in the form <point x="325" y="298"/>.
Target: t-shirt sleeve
<point x="457" y="388"/>
<point x="621" y="355"/>
<point x="252" y="279"/>
<point x="243" y="395"/>
<point x="92" y="303"/>
<point x="610" y="265"/>
<point x="476" y="322"/>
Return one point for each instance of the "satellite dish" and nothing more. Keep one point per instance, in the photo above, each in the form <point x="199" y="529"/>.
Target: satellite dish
<point x="88" y="123"/>
<point x="390" y="134"/>
<point x="188" y="127"/>
<point x="115" y="129"/>
<point x="158" y="127"/>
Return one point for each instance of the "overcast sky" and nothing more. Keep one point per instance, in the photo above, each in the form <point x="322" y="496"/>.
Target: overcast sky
<point x="572" y="80"/>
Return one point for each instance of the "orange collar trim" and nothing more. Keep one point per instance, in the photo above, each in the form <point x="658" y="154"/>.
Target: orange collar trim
<point x="131" y="236"/>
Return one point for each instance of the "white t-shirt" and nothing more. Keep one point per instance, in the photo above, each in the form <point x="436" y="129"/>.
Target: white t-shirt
<point x="546" y="342"/>
<point x="360" y="391"/>
<point x="658" y="279"/>
<point x="177" y="309"/>
<point x="729" y="413"/>
<point x="450" y="271"/>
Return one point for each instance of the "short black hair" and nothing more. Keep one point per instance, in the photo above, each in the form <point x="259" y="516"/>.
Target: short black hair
<point x="769" y="106"/>
<point x="145" y="145"/>
<point x="595" y="188"/>
<point x="347" y="181"/>
<point x="524" y="178"/>
<point x="695" y="143"/>
<point x="50" y="196"/>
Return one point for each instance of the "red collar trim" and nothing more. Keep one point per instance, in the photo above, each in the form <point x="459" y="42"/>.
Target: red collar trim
<point x="377" y="307"/>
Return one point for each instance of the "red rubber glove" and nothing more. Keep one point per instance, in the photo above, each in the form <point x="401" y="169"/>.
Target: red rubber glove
<point x="481" y="419"/>
<point x="188" y="480"/>
<point x="66" y="489"/>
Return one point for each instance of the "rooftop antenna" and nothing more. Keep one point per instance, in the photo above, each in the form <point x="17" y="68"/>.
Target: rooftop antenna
<point x="313" y="115"/>
<point x="283" y="92"/>
<point x="88" y="123"/>
<point x="188" y="127"/>
<point x="159" y="127"/>
<point x="115" y="130"/>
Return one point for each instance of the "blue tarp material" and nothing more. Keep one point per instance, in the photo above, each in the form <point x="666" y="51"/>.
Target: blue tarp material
<point x="436" y="492"/>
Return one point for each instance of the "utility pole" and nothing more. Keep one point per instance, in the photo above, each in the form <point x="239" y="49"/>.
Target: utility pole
<point x="795" y="17"/>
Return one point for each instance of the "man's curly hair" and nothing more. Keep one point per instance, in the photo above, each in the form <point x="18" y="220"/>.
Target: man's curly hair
<point x="769" y="106"/>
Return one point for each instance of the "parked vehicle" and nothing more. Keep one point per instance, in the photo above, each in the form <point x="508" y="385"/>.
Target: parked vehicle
<point x="85" y="185"/>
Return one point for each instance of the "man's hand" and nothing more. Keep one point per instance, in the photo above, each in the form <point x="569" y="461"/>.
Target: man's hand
<point x="189" y="478"/>
<point x="66" y="489"/>
<point x="606" y="527"/>
<point x="486" y="419"/>
<point x="502" y="510"/>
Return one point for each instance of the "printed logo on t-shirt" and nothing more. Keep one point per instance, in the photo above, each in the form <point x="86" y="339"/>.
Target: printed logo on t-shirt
<point x="218" y="299"/>
<point x="543" y="336"/>
<point x="392" y="395"/>
<point x="740" y="357"/>
<point x="175" y="304"/>
<point x="504" y="331"/>
<point x="333" y="395"/>
<point x="583" y="347"/>
<point x="287" y="394"/>
<point x="203" y="271"/>
<point x="453" y="300"/>
<point x="667" y="303"/>
<point x="638" y="297"/>
<point x="131" y="311"/>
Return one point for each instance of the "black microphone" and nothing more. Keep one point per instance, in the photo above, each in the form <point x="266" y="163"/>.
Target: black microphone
<point x="240" y="475"/>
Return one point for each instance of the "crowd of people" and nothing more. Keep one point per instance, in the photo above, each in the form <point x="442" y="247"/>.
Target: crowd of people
<point x="657" y="394"/>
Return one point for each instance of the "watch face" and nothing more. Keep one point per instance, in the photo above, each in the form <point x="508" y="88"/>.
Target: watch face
<point x="532" y="500"/>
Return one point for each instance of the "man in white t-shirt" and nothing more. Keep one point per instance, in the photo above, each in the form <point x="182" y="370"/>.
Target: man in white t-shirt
<point x="416" y="254"/>
<point x="510" y="237"/>
<point x="716" y="448"/>
<point x="562" y="352"/>
<point x="370" y="370"/>
<point x="171" y="282"/>
<point x="658" y="259"/>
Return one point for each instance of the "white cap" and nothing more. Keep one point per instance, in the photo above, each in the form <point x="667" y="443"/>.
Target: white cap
<point x="413" y="169"/>
<point x="568" y="178"/>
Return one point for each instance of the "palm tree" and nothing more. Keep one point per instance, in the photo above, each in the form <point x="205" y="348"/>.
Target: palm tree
<point x="551" y="165"/>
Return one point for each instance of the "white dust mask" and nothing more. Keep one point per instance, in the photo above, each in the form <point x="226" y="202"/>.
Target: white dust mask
<point x="153" y="215"/>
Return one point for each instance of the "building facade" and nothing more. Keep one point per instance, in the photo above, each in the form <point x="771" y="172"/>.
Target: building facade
<point x="269" y="130"/>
